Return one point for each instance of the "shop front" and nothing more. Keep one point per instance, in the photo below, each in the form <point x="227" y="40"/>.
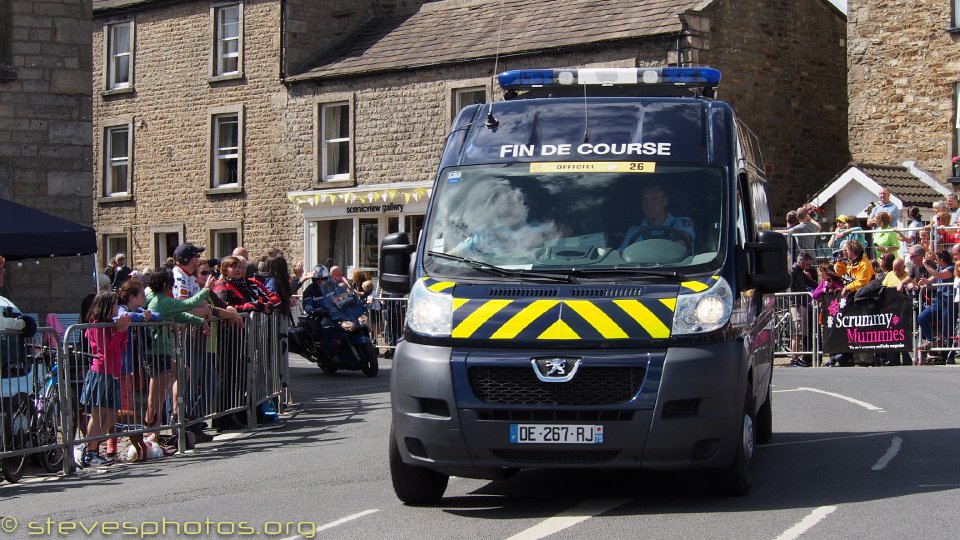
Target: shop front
<point x="344" y="226"/>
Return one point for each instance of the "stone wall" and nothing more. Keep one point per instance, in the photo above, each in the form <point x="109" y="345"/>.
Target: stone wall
<point x="783" y="65"/>
<point x="45" y="142"/>
<point x="170" y="111"/>
<point x="903" y="73"/>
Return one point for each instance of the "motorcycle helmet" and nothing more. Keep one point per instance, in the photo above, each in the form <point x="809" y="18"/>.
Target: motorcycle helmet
<point x="320" y="272"/>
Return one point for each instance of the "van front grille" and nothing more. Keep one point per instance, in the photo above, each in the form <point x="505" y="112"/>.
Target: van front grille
<point x="592" y="385"/>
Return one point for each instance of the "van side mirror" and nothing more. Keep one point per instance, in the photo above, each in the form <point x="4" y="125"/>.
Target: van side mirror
<point x="395" y="250"/>
<point x="769" y="263"/>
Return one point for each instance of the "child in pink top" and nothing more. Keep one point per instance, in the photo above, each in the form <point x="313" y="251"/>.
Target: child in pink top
<point x="101" y="386"/>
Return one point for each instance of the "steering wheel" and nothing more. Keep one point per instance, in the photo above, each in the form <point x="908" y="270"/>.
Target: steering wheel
<point x="660" y="232"/>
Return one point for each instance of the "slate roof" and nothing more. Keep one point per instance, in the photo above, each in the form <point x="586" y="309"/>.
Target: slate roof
<point x="901" y="183"/>
<point x="101" y="7"/>
<point x="454" y="31"/>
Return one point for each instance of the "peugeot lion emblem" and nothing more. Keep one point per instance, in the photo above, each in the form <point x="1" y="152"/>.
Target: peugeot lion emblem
<point x="555" y="369"/>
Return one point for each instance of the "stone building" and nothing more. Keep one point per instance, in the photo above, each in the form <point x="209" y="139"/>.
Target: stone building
<point x="903" y="83"/>
<point x="316" y="125"/>
<point x="45" y="142"/>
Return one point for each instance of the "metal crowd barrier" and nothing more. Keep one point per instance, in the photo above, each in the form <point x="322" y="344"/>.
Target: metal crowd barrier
<point x="797" y="327"/>
<point x="936" y="332"/>
<point x="388" y="317"/>
<point x="936" y="239"/>
<point x="167" y="378"/>
<point x="30" y="416"/>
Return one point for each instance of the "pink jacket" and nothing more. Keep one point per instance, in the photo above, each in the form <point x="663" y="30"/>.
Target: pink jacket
<point x="107" y="346"/>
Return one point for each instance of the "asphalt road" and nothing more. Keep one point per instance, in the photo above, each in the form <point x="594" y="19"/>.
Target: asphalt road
<point x="857" y="453"/>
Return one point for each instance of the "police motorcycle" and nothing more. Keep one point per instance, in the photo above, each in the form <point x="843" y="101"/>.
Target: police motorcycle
<point x="335" y="332"/>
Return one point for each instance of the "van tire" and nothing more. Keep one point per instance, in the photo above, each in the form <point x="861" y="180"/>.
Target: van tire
<point x="414" y="485"/>
<point x="736" y="479"/>
<point x="765" y="421"/>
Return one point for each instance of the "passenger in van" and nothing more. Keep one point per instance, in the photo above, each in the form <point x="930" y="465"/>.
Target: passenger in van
<point x="657" y="222"/>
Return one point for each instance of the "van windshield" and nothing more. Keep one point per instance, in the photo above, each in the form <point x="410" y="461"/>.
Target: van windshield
<point x="576" y="216"/>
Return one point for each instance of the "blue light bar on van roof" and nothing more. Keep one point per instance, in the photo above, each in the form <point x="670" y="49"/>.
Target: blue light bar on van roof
<point x="670" y="76"/>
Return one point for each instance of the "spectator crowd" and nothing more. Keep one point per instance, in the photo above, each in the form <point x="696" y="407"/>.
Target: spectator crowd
<point x="914" y="257"/>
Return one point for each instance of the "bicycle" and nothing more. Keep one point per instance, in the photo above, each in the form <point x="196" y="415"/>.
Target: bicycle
<point x="35" y="422"/>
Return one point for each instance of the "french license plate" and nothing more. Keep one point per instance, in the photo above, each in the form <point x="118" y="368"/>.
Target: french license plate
<point x="556" y="434"/>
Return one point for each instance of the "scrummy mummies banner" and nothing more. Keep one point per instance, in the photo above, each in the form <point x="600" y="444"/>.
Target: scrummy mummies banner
<point x="884" y="324"/>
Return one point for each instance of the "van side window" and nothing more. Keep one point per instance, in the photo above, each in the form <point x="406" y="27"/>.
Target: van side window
<point x="741" y="220"/>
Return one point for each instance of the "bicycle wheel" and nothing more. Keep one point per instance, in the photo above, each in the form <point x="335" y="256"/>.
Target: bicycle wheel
<point x="49" y="430"/>
<point x="17" y="438"/>
<point x="12" y="468"/>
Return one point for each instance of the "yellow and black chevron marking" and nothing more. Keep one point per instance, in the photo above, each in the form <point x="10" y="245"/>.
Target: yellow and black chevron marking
<point x="526" y="319"/>
<point x="698" y="285"/>
<point x="437" y="286"/>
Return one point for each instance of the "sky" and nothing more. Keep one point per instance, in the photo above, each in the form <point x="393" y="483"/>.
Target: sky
<point x="842" y="4"/>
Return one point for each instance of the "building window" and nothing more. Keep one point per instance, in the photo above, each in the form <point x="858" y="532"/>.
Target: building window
<point x="956" y="14"/>
<point x="464" y="97"/>
<point x="224" y="241"/>
<point x="354" y="242"/>
<point x="227" y="24"/>
<point x="113" y="244"/>
<point x="116" y="174"/>
<point x="119" y="55"/>
<point x="956" y="122"/>
<point x="335" y="141"/>
<point x="226" y="150"/>
<point x="164" y="244"/>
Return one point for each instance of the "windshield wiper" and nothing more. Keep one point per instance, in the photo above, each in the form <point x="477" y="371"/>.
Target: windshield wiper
<point x="503" y="272"/>
<point x="587" y="272"/>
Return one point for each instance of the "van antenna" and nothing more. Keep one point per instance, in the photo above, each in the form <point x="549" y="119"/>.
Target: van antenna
<point x="491" y="121"/>
<point x="586" y="120"/>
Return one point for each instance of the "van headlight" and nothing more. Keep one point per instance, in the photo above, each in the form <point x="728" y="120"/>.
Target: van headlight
<point x="429" y="313"/>
<point x="704" y="311"/>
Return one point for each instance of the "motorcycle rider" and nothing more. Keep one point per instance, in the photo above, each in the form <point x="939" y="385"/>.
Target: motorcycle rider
<point x="324" y="293"/>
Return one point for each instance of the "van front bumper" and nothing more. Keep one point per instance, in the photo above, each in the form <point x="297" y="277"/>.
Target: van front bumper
<point x="685" y="413"/>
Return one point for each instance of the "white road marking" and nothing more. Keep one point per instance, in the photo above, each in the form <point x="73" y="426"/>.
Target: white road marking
<point x="807" y="523"/>
<point x="568" y="518"/>
<point x="809" y="441"/>
<point x="333" y="524"/>
<point x="863" y="404"/>
<point x="891" y="453"/>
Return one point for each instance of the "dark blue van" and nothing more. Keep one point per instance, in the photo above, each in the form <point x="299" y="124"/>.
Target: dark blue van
<point x="592" y="286"/>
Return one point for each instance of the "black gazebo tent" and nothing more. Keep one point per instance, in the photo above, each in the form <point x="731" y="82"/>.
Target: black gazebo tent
<point x="26" y="233"/>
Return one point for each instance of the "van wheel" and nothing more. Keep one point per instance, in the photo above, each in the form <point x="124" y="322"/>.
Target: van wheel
<point x="414" y="485"/>
<point x="765" y="421"/>
<point x="735" y="480"/>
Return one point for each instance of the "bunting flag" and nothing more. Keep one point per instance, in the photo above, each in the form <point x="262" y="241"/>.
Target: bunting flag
<point x="361" y="196"/>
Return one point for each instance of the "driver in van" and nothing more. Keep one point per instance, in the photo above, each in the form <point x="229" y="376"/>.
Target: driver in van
<point x="657" y="222"/>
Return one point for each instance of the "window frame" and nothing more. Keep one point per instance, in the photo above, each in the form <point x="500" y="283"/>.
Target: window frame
<point x="108" y="233"/>
<point x="459" y="92"/>
<point x="179" y="229"/>
<point x="214" y="156"/>
<point x="320" y="141"/>
<point x="457" y="87"/>
<point x="216" y="228"/>
<point x="109" y="72"/>
<point x="217" y="54"/>
<point x="108" y="127"/>
<point x="956" y="121"/>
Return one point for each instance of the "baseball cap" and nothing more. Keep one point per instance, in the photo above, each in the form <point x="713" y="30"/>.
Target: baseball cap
<point x="187" y="251"/>
<point x="844" y="218"/>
